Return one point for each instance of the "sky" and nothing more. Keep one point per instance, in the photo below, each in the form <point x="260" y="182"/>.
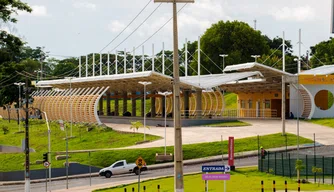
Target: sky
<point x="79" y="27"/>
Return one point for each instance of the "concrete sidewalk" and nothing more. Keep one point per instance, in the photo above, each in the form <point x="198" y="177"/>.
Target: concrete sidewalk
<point x="201" y="134"/>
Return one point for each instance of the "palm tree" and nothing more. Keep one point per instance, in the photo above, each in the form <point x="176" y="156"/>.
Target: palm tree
<point x="135" y="125"/>
<point x="299" y="167"/>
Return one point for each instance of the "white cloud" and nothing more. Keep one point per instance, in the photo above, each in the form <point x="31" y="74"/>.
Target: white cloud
<point x="85" y="5"/>
<point x="116" y="26"/>
<point x="37" y="10"/>
<point x="305" y="13"/>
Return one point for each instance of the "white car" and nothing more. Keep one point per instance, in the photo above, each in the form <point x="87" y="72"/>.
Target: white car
<point x="121" y="167"/>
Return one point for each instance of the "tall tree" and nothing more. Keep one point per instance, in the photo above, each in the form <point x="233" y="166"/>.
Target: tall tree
<point x="237" y="39"/>
<point x="322" y="53"/>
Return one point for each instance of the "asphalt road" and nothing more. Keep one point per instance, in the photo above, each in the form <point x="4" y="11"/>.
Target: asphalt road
<point x="40" y="187"/>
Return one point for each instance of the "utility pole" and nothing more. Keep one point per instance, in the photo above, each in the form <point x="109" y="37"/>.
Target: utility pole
<point x="27" y="163"/>
<point x="178" y="156"/>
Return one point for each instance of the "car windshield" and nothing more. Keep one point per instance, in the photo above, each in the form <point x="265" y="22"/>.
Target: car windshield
<point x="119" y="164"/>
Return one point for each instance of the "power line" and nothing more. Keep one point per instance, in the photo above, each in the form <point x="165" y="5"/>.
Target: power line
<point x="159" y="28"/>
<point x="137" y="27"/>
<point x="126" y="26"/>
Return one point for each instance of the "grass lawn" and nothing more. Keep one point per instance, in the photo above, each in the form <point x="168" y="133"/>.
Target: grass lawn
<point x="234" y="123"/>
<point x="245" y="179"/>
<point x="230" y="100"/>
<point x="329" y="122"/>
<point x="106" y="158"/>
<point x="97" y="138"/>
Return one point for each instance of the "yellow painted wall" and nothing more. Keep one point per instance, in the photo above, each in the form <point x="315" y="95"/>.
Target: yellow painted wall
<point x="255" y="97"/>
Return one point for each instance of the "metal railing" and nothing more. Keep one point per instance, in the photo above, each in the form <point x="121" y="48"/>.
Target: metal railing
<point x="231" y="113"/>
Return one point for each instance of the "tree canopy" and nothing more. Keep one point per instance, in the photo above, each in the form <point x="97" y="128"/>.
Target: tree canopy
<point x="322" y="53"/>
<point x="237" y="39"/>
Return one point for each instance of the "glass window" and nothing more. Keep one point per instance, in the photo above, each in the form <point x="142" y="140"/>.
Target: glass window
<point x="250" y="104"/>
<point x="267" y="104"/>
<point x="243" y="104"/>
<point x="119" y="164"/>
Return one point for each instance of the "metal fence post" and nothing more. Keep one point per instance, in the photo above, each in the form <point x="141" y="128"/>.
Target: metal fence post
<point x="289" y="166"/>
<point x="275" y="164"/>
<point x="306" y="168"/>
<point x="90" y="171"/>
<point x="268" y="161"/>
<point x="282" y="164"/>
<point x="158" y="188"/>
<point x="332" y="170"/>
<point x="323" y="169"/>
<point x="258" y="154"/>
<point x="315" y="159"/>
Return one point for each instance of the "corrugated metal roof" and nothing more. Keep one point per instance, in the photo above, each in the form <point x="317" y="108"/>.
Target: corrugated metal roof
<point x="250" y="66"/>
<point x="322" y="70"/>
<point x="214" y="80"/>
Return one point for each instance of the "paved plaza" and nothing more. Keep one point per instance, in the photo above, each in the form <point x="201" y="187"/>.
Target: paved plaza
<point x="200" y="134"/>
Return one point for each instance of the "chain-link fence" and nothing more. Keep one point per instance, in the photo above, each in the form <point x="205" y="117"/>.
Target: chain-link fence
<point x="317" y="163"/>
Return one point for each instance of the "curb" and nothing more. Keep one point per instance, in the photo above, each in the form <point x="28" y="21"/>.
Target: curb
<point x="239" y="155"/>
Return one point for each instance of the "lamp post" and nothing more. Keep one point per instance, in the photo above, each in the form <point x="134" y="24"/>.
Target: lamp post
<point x="145" y="83"/>
<point x="63" y="128"/>
<point x="19" y="84"/>
<point x="255" y="56"/>
<point x="49" y="142"/>
<point x="70" y="79"/>
<point x="165" y="94"/>
<point x="223" y="56"/>
<point x="299" y="60"/>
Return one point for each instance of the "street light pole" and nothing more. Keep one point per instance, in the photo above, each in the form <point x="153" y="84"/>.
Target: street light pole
<point x="165" y="94"/>
<point x="223" y="56"/>
<point x="145" y="83"/>
<point x="49" y="142"/>
<point x="255" y="56"/>
<point x="19" y="84"/>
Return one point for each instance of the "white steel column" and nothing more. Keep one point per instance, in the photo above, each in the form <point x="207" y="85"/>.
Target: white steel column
<point x="199" y="60"/>
<point x="163" y="58"/>
<point x="116" y="63"/>
<point x="93" y="64"/>
<point x="79" y="66"/>
<point x="143" y="60"/>
<point x="299" y="53"/>
<point x="186" y="59"/>
<point x="100" y="64"/>
<point x="152" y="57"/>
<point x="108" y="63"/>
<point x="86" y="65"/>
<point x="134" y="61"/>
<point x="283" y="87"/>
<point x="124" y="61"/>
